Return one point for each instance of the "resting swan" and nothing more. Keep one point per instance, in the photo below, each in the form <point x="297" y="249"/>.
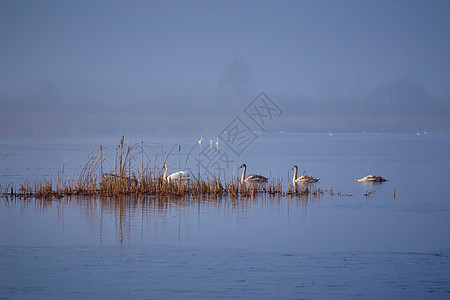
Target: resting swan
<point x="372" y="178"/>
<point x="303" y="178"/>
<point x="178" y="176"/>
<point x="252" y="178"/>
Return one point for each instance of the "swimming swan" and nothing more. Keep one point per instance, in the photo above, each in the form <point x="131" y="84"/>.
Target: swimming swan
<point x="178" y="176"/>
<point x="303" y="178"/>
<point x="252" y="178"/>
<point x="372" y="178"/>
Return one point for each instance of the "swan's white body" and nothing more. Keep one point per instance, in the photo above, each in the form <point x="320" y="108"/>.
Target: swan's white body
<point x="303" y="178"/>
<point x="178" y="176"/>
<point x="252" y="178"/>
<point x="372" y="178"/>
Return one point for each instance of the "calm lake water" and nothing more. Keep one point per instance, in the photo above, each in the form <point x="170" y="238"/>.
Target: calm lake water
<point x="355" y="241"/>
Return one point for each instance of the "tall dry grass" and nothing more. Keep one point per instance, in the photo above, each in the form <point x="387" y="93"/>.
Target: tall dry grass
<point x="129" y="177"/>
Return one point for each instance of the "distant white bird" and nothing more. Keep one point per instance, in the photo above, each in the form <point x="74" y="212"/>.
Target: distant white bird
<point x="372" y="178"/>
<point x="303" y="178"/>
<point x="200" y="140"/>
<point x="211" y="143"/>
<point x="418" y="133"/>
<point x="178" y="176"/>
<point x="252" y="178"/>
<point x="330" y="133"/>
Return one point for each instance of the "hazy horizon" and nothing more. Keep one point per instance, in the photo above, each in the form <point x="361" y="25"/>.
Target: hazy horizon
<point x="75" y="68"/>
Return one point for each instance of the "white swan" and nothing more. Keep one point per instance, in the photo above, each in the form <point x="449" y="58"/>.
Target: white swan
<point x="252" y="178"/>
<point x="178" y="176"/>
<point x="372" y="178"/>
<point x="303" y="178"/>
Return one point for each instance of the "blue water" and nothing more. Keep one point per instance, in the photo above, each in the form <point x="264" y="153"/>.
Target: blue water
<point x="344" y="244"/>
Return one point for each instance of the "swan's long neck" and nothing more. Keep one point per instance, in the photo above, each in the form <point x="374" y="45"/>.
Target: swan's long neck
<point x="165" y="173"/>
<point x="295" y="175"/>
<point x="243" y="174"/>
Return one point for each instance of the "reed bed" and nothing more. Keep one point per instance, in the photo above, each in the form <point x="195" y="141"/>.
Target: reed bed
<point x="128" y="178"/>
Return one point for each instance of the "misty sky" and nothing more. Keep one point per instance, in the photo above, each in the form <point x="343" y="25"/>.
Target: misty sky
<point x="131" y="53"/>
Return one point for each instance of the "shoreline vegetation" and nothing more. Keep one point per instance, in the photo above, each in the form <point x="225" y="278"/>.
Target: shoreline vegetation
<point x="126" y="178"/>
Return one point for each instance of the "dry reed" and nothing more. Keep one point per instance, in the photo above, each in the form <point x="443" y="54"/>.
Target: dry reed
<point x="127" y="179"/>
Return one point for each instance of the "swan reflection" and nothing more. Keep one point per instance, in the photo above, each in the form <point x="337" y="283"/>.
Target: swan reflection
<point x="156" y="218"/>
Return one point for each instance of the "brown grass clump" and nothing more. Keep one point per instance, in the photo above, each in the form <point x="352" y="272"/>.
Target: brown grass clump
<point x="127" y="179"/>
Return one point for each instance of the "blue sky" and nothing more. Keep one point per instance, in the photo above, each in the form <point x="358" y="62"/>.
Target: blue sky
<point x="121" y="51"/>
